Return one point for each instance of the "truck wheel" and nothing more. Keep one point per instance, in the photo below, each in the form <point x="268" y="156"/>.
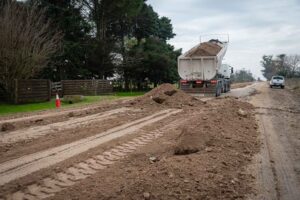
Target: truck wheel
<point x="217" y="92"/>
<point x="271" y="86"/>
<point x="282" y="87"/>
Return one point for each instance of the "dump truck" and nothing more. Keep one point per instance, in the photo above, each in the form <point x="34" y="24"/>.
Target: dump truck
<point x="201" y="69"/>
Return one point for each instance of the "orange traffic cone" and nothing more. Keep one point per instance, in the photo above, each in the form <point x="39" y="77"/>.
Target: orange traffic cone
<point x="57" y="101"/>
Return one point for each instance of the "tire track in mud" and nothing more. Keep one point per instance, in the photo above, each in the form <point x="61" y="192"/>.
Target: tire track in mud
<point x="286" y="185"/>
<point x="53" y="184"/>
<point x="36" y="132"/>
<point x="288" y="110"/>
<point x="278" y="177"/>
<point x="267" y="174"/>
<point x="28" y="164"/>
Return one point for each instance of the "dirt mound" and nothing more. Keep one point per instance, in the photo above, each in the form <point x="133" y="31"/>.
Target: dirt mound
<point x="7" y="127"/>
<point x="191" y="140"/>
<point x="226" y="143"/>
<point x="204" y="129"/>
<point x="166" y="95"/>
<point x="205" y="49"/>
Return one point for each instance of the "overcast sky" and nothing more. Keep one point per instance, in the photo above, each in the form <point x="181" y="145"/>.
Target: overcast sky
<point x="255" y="27"/>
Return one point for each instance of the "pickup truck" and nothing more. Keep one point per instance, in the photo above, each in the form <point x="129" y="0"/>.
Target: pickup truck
<point x="277" y="81"/>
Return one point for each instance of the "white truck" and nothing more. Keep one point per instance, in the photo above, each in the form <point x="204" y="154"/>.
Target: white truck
<point x="201" y="69"/>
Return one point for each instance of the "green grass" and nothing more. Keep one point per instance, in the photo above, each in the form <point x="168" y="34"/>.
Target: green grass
<point x="6" y="108"/>
<point x="129" y="94"/>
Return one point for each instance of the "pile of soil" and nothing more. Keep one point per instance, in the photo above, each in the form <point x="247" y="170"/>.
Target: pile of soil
<point x="203" y="130"/>
<point x="191" y="140"/>
<point x="205" y="49"/>
<point x="7" y="127"/>
<point x="225" y="141"/>
<point x="166" y="95"/>
<point x="219" y="144"/>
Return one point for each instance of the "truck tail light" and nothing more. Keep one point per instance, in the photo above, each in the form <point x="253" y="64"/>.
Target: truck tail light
<point x="183" y="81"/>
<point x="198" y="82"/>
<point x="213" y="81"/>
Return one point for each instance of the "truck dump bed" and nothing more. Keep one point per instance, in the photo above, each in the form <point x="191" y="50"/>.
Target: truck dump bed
<point x="203" y="61"/>
<point x="204" y="49"/>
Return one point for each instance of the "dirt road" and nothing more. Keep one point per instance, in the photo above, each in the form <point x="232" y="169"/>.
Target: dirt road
<point x="163" y="145"/>
<point x="278" y="113"/>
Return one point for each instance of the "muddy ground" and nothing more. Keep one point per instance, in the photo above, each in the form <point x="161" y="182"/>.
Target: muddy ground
<point x="240" y="85"/>
<point x="278" y="164"/>
<point x="163" y="145"/>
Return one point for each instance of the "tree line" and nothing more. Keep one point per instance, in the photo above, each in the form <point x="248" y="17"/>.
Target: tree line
<point x="242" y="75"/>
<point x="83" y="39"/>
<point x="284" y="65"/>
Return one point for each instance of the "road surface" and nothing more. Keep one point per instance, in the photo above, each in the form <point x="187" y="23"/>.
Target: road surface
<point x="278" y="114"/>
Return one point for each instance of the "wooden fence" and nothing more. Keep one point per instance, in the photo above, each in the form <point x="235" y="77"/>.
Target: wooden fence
<point x="56" y="88"/>
<point x="86" y="87"/>
<point x="39" y="90"/>
<point x="33" y="90"/>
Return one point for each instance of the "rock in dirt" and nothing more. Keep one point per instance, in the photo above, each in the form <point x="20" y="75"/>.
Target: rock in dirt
<point x="72" y="99"/>
<point x="208" y="149"/>
<point x="159" y="100"/>
<point x="204" y="117"/>
<point x="71" y="114"/>
<point x="191" y="140"/>
<point x="7" y="127"/>
<point x="146" y="195"/>
<point x="242" y="113"/>
<point x="153" y="159"/>
<point x="38" y="120"/>
<point x="170" y="92"/>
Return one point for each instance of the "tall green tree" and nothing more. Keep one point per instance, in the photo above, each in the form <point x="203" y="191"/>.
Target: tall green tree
<point x="113" y="21"/>
<point x="71" y="63"/>
<point x="151" y="33"/>
<point x="267" y="64"/>
<point x="112" y="37"/>
<point x="165" y="29"/>
<point x="146" y="23"/>
<point x="160" y="60"/>
<point x="152" y="60"/>
<point x="100" y="58"/>
<point x="149" y="24"/>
